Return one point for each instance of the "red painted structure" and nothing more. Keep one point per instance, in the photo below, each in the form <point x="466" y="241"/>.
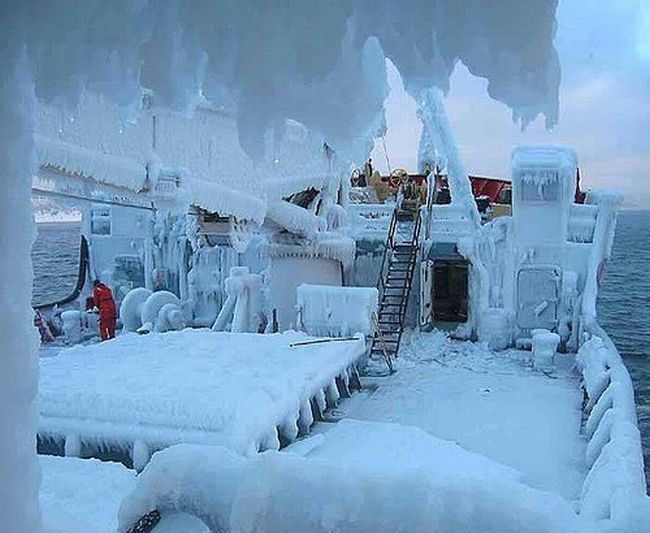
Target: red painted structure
<point x="490" y="187"/>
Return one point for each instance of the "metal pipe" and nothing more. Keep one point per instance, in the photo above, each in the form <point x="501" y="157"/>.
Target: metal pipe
<point x="56" y="194"/>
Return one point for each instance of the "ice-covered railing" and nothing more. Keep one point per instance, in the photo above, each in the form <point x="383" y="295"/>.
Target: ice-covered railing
<point x="357" y="477"/>
<point x="614" y="489"/>
<point x="607" y="204"/>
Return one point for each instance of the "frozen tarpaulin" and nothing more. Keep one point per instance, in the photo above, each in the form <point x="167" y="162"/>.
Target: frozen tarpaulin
<point x="137" y="394"/>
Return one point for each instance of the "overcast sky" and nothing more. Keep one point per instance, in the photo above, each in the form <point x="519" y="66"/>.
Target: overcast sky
<point x="604" y="48"/>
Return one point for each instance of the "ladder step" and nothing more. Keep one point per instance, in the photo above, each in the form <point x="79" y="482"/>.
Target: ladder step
<point x="389" y="336"/>
<point x="389" y="343"/>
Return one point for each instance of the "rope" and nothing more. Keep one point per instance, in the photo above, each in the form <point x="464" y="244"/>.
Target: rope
<point x="383" y="139"/>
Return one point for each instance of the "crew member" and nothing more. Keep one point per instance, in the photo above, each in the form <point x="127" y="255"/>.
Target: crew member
<point x="367" y="172"/>
<point x="104" y="302"/>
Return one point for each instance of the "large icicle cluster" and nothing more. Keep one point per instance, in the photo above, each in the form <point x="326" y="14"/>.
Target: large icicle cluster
<point x="318" y="63"/>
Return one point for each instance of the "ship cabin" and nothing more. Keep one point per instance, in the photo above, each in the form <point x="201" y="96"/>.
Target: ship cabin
<point x="494" y="260"/>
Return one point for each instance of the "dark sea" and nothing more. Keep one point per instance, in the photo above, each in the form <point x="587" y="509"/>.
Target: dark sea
<point x="55" y="256"/>
<point x="623" y="306"/>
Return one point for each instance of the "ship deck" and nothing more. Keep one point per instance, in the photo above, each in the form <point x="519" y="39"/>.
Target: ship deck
<point x="240" y="390"/>
<point x="496" y="405"/>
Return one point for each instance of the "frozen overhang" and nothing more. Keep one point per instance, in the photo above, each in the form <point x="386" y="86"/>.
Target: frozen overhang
<point x="319" y="63"/>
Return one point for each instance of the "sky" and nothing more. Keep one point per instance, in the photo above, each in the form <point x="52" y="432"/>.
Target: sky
<point x="604" y="49"/>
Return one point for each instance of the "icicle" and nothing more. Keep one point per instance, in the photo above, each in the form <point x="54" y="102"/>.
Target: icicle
<point x="72" y="447"/>
<point x="321" y="400"/>
<point x="306" y="418"/>
<point x="332" y="394"/>
<point x="140" y="454"/>
<point x="289" y="429"/>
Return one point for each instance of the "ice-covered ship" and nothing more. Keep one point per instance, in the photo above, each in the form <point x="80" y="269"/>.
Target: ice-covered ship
<point x="302" y="346"/>
<point x="470" y="317"/>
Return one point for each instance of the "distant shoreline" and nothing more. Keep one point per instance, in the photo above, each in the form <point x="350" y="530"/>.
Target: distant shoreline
<point x="58" y="222"/>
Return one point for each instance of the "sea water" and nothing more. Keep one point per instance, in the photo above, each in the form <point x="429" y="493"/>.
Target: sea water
<point x="55" y="256"/>
<point x="623" y="306"/>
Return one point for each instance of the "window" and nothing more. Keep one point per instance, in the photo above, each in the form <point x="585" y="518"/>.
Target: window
<point x="540" y="191"/>
<point x="100" y="221"/>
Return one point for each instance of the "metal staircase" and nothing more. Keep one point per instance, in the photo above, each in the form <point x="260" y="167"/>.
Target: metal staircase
<point x="394" y="283"/>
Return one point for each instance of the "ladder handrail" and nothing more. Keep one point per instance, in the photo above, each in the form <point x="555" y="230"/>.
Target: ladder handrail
<point x="378" y="333"/>
<point x="388" y="247"/>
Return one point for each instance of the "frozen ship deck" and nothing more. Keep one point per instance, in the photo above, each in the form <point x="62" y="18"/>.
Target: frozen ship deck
<point x="142" y="393"/>
<point x="495" y="405"/>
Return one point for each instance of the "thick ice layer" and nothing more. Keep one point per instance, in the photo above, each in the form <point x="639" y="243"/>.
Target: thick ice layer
<point x="105" y="168"/>
<point x="189" y="386"/>
<point x="18" y="337"/>
<point x="82" y="495"/>
<point x="360" y="476"/>
<point x="489" y="405"/>
<point x="296" y="219"/>
<point x="337" y="311"/>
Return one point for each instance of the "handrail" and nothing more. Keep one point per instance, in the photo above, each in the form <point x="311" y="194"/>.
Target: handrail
<point x="384" y="348"/>
<point x="388" y="247"/>
<point x="610" y="424"/>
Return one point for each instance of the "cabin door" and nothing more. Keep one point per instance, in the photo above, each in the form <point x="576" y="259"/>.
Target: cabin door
<point x="537" y="289"/>
<point x="450" y="290"/>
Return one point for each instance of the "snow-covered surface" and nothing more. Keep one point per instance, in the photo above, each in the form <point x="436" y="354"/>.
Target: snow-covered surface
<point x="361" y="476"/>
<point x="492" y="404"/>
<point x="82" y="495"/>
<point x="189" y="386"/>
<point x="105" y="168"/>
<point x="336" y="311"/>
<point x="296" y="219"/>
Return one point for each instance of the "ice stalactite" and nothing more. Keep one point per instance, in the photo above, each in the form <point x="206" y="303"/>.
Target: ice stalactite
<point x="19" y="474"/>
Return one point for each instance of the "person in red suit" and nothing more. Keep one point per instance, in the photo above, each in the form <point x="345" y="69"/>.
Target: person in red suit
<point x="103" y="300"/>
